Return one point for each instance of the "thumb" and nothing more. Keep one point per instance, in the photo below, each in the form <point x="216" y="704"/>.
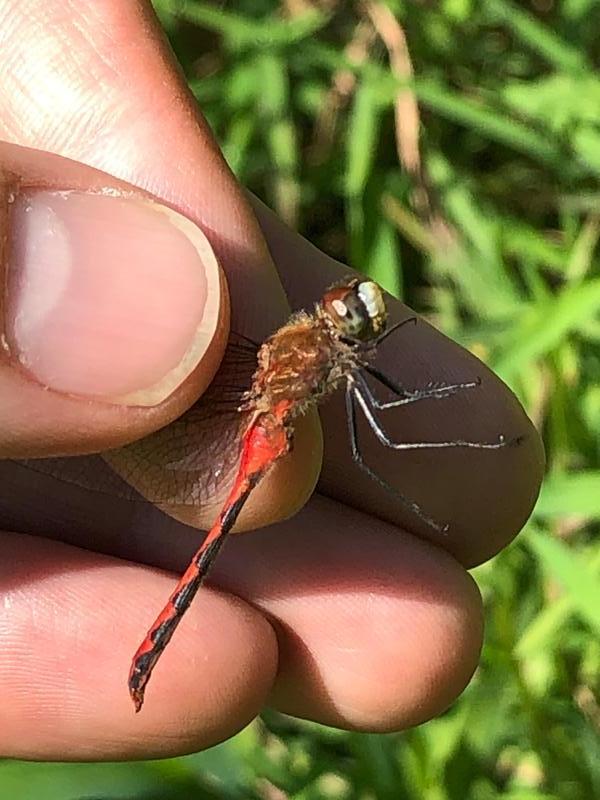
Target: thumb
<point x="114" y="309"/>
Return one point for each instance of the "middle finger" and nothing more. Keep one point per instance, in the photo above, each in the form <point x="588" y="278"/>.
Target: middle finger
<point x="376" y="629"/>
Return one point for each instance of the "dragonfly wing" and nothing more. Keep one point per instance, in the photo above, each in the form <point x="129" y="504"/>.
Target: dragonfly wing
<point x="88" y="472"/>
<point x="189" y="464"/>
<point x="184" y="463"/>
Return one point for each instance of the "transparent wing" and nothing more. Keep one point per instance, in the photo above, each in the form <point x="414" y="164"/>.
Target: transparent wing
<point x="183" y="464"/>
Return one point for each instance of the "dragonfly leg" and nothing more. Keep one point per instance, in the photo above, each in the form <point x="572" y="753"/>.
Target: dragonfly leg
<point x="366" y="402"/>
<point x="358" y="459"/>
<point x="369" y="346"/>
<point x="406" y="396"/>
<point x="394" y="328"/>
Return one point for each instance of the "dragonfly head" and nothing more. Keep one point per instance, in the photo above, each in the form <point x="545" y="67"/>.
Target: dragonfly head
<point x="356" y="309"/>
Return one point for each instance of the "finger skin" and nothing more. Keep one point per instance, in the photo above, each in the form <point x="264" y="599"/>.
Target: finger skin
<point x="377" y="630"/>
<point x="36" y="421"/>
<point x="70" y="621"/>
<point x="142" y="126"/>
<point x="368" y="637"/>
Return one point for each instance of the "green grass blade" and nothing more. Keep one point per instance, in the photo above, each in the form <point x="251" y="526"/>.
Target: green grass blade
<point x="572" y="572"/>
<point x="570" y="493"/>
<point x="248" y="32"/>
<point x="546" y="325"/>
<point x="490" y="123"/>
<point x="541" y="39"/>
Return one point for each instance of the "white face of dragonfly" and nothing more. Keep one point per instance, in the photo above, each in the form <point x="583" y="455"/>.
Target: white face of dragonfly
<point x="357" y="309"/>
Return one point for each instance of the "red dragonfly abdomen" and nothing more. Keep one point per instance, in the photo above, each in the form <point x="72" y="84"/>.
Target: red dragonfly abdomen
<point x="266" y="439"/>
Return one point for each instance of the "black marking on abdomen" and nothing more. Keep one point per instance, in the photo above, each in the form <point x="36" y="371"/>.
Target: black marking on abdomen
<point x="230" y="516"/>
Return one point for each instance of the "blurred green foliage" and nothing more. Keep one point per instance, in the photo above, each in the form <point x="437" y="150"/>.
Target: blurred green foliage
<point x="494" y="237"/>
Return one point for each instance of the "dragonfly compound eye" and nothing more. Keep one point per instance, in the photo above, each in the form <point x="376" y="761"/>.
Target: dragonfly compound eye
<point x="372" y="299"/>
<point x="357" y="309"/>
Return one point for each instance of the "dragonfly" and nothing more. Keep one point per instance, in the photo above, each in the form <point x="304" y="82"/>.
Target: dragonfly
<point x="310" y="357"/>
<point x="305" y="360"/>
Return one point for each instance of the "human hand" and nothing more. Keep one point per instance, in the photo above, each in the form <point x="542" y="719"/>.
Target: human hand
<point x="339" y="614"/>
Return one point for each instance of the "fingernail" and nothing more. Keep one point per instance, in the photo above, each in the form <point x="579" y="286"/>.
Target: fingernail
<point x="108" y="296"/>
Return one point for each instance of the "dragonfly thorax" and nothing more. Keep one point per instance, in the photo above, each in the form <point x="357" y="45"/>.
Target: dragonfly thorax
<point x="300" y="363"/>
